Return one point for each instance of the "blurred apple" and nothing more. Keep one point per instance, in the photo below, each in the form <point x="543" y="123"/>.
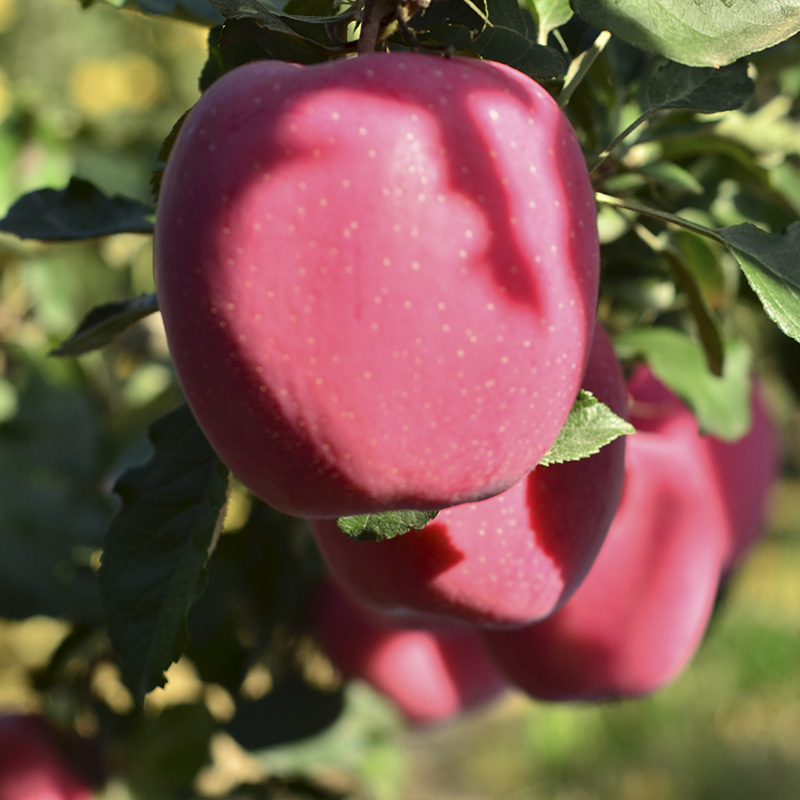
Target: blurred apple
<point x="431" y="674"/>
<point x="639" y="616"/>
<point x="32" y="767"/>
<point x="743" y="472"/>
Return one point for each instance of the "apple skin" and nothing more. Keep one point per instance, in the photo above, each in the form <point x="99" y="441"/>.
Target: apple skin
<point x="743" y="472"/>
<point x="378" y="278"/>
<point x="638" y="617"/>
<point x="431" y="675"/>
<point x="505" y="561"/>
<point x="31" y="766"/>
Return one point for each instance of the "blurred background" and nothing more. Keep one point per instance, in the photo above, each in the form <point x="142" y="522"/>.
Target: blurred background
<point x="93" y="92"/>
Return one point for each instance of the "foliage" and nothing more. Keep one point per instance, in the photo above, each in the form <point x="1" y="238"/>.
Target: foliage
<point x="691" y="132"/>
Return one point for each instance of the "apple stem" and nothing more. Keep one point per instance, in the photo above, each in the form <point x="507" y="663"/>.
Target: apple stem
<point x="375" y="16"/>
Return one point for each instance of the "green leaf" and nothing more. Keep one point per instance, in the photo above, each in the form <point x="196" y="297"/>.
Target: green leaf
<point x="549" y="15"/>
<point x="702" y="33"/>
<point x="153" y="565"/>
<point x="104" y="323"/>
<point x="590" y="426"/>
<point x="672" y="176"/>
<point x="79" y="211"/>
<point x="706" y="91"/>
<point x="386" y="525"/>
<point x="675" y="86"/>
<point x="771" y="263"/>
<point x="165" y="751"/>
<point x="720" y="403"/>
<point x="507" y="47"/>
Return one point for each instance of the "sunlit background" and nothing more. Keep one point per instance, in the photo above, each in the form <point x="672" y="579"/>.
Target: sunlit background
<point x="93" y="93"/>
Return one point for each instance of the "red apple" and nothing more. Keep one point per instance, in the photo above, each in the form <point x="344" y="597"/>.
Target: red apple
<point x="743" y="472"/>
<point x="507" y="560"/>
<point x="378" y="278"/>
<point x="636" y="620"/>
<point x="431" y="675"/>
<point x="31" y="765"/>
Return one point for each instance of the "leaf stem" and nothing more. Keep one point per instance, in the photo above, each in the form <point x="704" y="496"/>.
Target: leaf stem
<point x="617" y="141"/>
<point x="664" y="216"/>
<point x="580" y="66"/>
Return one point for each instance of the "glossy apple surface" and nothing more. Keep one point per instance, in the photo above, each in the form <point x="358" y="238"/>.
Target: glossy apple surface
<point x="743" y="472"/>
<point x="507" y="560"/>
<point x="32" y="767"/>
<point x="640" y="614"/>
<point x="378" y="278"/>
<point x="431" y="675"/>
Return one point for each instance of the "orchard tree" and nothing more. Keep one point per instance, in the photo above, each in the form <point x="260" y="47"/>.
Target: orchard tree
<point x="480" y="321"/>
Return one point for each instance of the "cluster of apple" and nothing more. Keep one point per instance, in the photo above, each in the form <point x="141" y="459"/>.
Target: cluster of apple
<point x="378" y="278"/>
<point x="691" y="507"/>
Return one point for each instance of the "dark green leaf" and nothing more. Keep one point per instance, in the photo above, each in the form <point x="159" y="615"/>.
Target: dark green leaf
<point x="506" y="14"/>
<point x="365" y="740"/>
<point x="295" y="710"/>
<point x="153" y="565"/>
<point x="268" y="15"/>
<point x="590" y="426"/>
<point x="192" y="10"/>
<point x="104" y="323"/>
<point x="720" y="403"/>
<point x="473" y="15"/>
<point x="507" y="47"/>
<point x="79" y="211"/>
<point x="703" y="90"/>
<point x="299" y="38"/>
<point x="771" y="263"/>
<point x="53" y="510"/>
<point x="701" y="33"/>
<point x="276" y="40"/>
<point x="387" y="525"/>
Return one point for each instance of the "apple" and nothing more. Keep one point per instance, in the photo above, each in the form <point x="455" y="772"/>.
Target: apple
<point x="430" y="674"/>
<point x="641" y="612"/>
<point x="504" y="561"/>
<point x="32" y="767"/>
<point x="743" y="472"/>
<point x="378" y="278"/>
